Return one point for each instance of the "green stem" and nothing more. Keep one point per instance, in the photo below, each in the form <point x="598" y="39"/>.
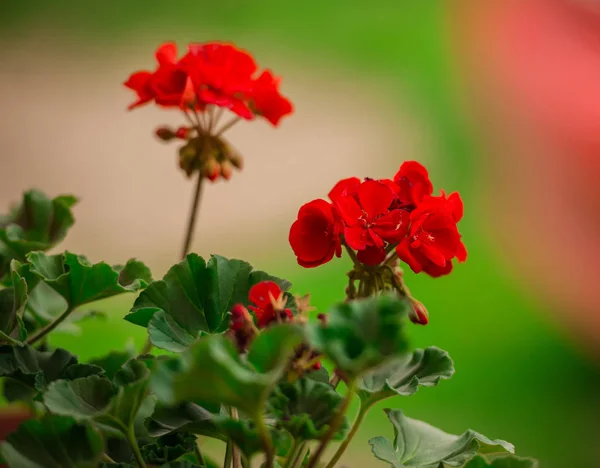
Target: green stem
<point x="342" y="448"/>
<point x="135" y="448"/>
<point x="292" y="454"/>
<point x="106" y="458"/>
<point x="198" y="452"/>
<point x="351" y="254"/>
<point x="235" y="451"/>
<point x="192" y="216"/>
<point x="334" y="426"/>
<point x="48" y="328"/>
<point x="267" y="441"/>
<point x="300" y="456"/>
<point x="227" y="461"/>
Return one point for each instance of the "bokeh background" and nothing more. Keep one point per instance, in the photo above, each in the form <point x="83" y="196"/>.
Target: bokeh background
<point x="501" y="100"/>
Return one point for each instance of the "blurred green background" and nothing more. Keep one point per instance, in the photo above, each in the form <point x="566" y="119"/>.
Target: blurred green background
<point x="518" y="375"/>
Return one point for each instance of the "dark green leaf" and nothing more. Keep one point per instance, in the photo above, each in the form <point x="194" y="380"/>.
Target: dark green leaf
<point x="417" y="444"/>
<point x="363" y="334"/>
<point x="194" y="298"/>
<point x="29" y="371"/>
<point x="13" y="301"/>
<point x="213" y="372"/>
<point x="113" y="361"/>
<point x="404" y="376"/>
<point x="79" y="282"/>
<point x="305" y="408"/>
<point x="168" y="448"/>
<point x="502" y="462"/>
<point x="186" y="417"/>
<point x="246" y="437"/>
<point x="97" y="398"/>
<point x="37" y="224"/>
<point x="53" y="442"/>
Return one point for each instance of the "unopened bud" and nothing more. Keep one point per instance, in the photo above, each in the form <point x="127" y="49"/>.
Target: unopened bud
<point x="226" y="170"/>
<point x="182" y="133"/>
<point x="418" y="313"/>
<point x="236" y="160"/>
<point x="322" y="318"/>
<point x="212" y="170"/>
<point x="240" y="317"/>
<point x="164" y="133"/>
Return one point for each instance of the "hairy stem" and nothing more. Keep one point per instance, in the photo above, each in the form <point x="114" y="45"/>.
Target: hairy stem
<point x="301" y="455"/>
<point x="267" y="441"/>
<point x="48" y="328"/>
<point x="135" y="448"/>
<point x="236" y="455"/>
<point x="227" y="461"/>
<point x="198" y="453"/>
<point x="342" y="448"/>
<point x="293" y="453"/>
<point x="192" y="217"/>
<point x="334" y="426"/>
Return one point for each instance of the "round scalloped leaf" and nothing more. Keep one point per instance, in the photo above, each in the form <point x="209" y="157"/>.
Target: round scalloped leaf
<point x="419" y="445"/>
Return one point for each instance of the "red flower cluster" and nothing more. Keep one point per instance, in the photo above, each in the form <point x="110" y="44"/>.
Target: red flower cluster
<point x="374" y="217"/>
<point x="212" y="73"/>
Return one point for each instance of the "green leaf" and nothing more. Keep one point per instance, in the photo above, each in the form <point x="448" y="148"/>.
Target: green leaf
<point x="194" y="298"/>
<point x="79" y="282"/>
<point x="113" y="361"/>
<point x="363" y="334"/>
<point x="417" y="444"/>
<point x="114" y="406"/>
<point x="53" y="442"/>
<point x="39" y="223"/>
<point x="305" y="408"/>
<point x="185" y="417"/>
<point x="404" y="376"/>
<point x="502" y="462"/>
<point x="13" y="301"/>
<point x="168" y="448"/>
<point x="213" y="372"/>
<point x="28" y="371"/>
<point x="246" y="437"/>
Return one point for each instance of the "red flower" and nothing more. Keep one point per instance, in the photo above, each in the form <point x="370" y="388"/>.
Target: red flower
<point x="263" y="295"/>
<point x="140" y="83"/>
<point x="432" y="243"/>
<point x="266" y="99"/>
<point x="315" y="235"/>
<point x="413" y="183"/>
<point x="369" y="220"/>
<point x="345" y="188"/>
<point x="451" y="205"/>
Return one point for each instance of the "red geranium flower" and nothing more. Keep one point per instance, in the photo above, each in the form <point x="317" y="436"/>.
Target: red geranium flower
<point x="369" y="220"/>
<point x="315" y="235"/>
<point x="266" y="99"/>
<point x="432" y="243"/>
<point x="263" y="295"/>
<point x="345" y="188"/>
<point x="413" y="183"/>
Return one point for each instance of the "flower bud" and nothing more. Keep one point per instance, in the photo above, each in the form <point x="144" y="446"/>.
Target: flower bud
<point x="226" y="169"/>
<point x="212" y="169"/>
<point x="182" y="133"/>
<point x="164" y="133"/>
<point x="240" y="317"/>
<point x="241" y="327"/>
<point x="236" y="160"/>
<point x="418" y="313"/>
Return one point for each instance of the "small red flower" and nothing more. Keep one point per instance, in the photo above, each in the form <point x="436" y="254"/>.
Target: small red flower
<point x="413" y="183"/>
<point x="266" y="99"/>
<point x="263" y="295"/>
<point x="315" y="235"/>
<point x="432" y="243"/>
<point x="369" y="222"/>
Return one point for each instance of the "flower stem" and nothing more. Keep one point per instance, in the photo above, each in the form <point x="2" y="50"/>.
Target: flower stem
<point x="267" y="441"/>
<point x="41" y="333"/>
<point x="291" y="458"/>
<point x="300" y="456"/>
<point x="135" y="448"/>
<point x="227" y="126"/>
<point x="227" y="461"/>
<point x="236" y="455"/>
<point x="334" y="426"/>
<point x="198" y="452"/>
<point x="342" y="448"/>
<point x="192" y="217"/>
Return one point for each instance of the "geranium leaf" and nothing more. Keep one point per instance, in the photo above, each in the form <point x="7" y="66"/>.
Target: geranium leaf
<point x="419" y="445"/>
<point x="502" y="462"/>
<point x="185" y="417"/>
<point x="13" y="301"/>
<point x="28" y="371"/>
<point x="38" y="223"/>
<point x="404" y="376"/>
<point x="194" y="298"/>
<point x="246" y="437"/>
<point x="212" y="370"/>
<point x="114" y="405"/>
<point x="363" y="334"/>
<point x="305" y="408"/>
<point x="168" y="448"/>
<point x="53" y="442"/>
<point x="79" y="282"/>
<point x="113" y="361"/>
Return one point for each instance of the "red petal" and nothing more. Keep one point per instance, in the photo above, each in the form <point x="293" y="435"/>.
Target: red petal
<point x="356" y="237"/>
<point x="371" y="256"/>
<point x="317" y="207"/>
<point x="345" y="188"/>
<point x="405" y="254"/>
<point x="350" y="210"/>
<point x="311" y="239"/>
<point x="375" y="198"/>
<point x="166" y="53"/>
<point x="261" y="293"/>
<point x="393" y="226"/>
